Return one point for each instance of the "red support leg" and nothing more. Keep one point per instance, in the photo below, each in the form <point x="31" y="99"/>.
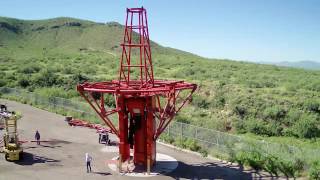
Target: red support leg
<point x="124" y="149"/>
<point x="151" y="128"/>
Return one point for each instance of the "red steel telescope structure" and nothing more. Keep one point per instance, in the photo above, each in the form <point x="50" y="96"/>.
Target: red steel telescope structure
<point x="145" y="106"/>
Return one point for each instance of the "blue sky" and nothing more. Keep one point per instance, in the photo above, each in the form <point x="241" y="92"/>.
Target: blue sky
<point x="251" y="30"/>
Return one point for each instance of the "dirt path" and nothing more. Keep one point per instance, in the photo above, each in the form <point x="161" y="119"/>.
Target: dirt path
<point x="64" y="157"/>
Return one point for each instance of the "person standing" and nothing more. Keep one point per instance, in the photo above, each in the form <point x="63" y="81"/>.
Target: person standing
<point x="88" y="162"/>
<point x="37" y="137"/>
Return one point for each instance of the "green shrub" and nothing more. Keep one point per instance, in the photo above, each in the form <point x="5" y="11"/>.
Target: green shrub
<point x="182" y="118"/>
<point x="313" y="105"/>
<point x="240" y="110"/>
<point x="257" y="126"/>
<point x="192" y="145"/>
<point x="23" y="82"/>
<point x="241" y="157"/>
<point x="274" y="129"/>
<point x="254" y="84"/>
<point x="200" y="101"/>
<point x="291" y="168"/>
<point x="46" y="79"/>
<point x="109" y="100"/>
<point x="271" y="165"/>
<point x="2" y="83"/>
<point x="55" y="92"/>
<point x="314" y="171"/>
<point x="67" y="70"/>
<point x="180" y="142"/>
<point x="255" y="159"/>
<point x="203" y="152"/>
<point x="274" y="113"/>
<point x="240" y="126"/>
<point x="315" y="86"/>
<point x="219" y="101"/>
<point x="292" y="116"/>
<point x="29" y="69"/>
<point x="166" y="138"/>
<point x="307" y="127"/>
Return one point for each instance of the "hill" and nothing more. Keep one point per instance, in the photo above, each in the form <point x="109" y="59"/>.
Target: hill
<point x="301" y="64"/>
<point x="51" y="56"/>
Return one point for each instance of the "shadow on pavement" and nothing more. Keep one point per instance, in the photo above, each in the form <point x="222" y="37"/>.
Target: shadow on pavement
<point x="54" y="142"/>
<point x="211" y="170"/>
<point x="102" y="173"/>
<point x="41" y="146"/>
<point x="30" y="159"/>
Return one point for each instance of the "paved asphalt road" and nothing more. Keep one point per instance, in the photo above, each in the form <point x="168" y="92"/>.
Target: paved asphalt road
<point x="63" y="158"/>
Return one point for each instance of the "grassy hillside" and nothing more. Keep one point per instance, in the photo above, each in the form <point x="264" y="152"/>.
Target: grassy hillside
<point x="52" y="56"/>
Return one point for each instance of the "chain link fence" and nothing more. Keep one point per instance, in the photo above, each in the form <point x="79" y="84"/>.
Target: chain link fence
<point x="214" y="141"/>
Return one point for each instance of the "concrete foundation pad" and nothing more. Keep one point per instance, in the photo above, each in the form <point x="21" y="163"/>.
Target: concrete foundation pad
<point x="110" y="149"/>
<point x="164" y="164"/>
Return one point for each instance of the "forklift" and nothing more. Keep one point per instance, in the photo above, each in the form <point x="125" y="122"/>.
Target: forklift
<point x="12" y="148"/>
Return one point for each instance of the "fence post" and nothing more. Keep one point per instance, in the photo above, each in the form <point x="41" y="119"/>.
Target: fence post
<point x="196" y="135"/>
<point x="181" y="133"/>
<point x="217" y="138"/>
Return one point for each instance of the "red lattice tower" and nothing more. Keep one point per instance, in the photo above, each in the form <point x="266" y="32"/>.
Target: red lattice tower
<point x="145" y="106"/>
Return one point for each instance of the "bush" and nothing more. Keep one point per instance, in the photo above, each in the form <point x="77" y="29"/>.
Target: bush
<point x="313" y="105"/>
<point x="55" y="92"/>
<point x="72" y="81"/>
<point x="257" y="126"/>
<point x="67" y="70"/>
<point x="23" y="82"/>
<point x="254" y="84"/>
<point x="219" y="101"/>
<point x="180" y="142"/>
<point x="271" y="165"/>
<point x="314" y="171"/>
<point x="292" y="116"/>
<point x="203" y="152"/>
<point x="192" y="145"/>
<point x="274" y="113"/>
<point x="240" y="126"/>
<point x="182" y="118"/>
<point x="307" y="127"/>
<point x="241" y="158"/>
<point x="109" y="100"/>
<point x="200" y="101"/>
<point x="274" y="129"/>
<point x="2" y="83"/>
<point x="46" y="79"/>
<point x="256" y="160"/>
<point x="252" y="158"/>
<point x="240" y="110"/>
<point x="29" y="69"/>
<point x="167" y="138"/>
<point x="291" y="168"/>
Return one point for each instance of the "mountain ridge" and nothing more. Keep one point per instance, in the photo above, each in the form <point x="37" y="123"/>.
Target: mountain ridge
<point x="76" y="33"/>
<point x="305" y="64"/>
<point x="17" y="25"/>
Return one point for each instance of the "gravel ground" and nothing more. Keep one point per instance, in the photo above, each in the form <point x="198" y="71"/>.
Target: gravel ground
<point x="63" y="158"/>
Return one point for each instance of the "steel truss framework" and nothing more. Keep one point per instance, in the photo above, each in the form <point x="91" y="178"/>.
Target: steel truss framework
<point x="159" y="100"/>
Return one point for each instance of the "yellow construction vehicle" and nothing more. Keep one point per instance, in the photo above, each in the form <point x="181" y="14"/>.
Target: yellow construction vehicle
<point x="12" y="148"/>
